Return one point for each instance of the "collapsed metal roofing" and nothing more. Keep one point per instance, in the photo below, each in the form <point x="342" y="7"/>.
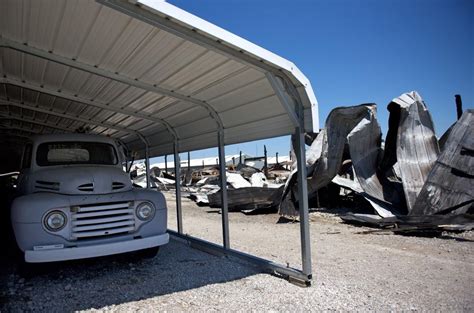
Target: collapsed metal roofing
<point x="128" y="69"/>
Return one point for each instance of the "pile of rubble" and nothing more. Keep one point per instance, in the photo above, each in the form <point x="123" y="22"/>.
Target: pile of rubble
<point x="412" y="174"/>
<point x="411" y="178"/>
<point x="248" y="188"/>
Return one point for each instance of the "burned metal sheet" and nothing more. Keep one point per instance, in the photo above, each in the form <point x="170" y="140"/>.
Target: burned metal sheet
<point x="383" y="208"/>
<point x="450" y="184"/>
<point x="356" y="126"/>
<point x="406" y="224"/>
<point x="340" y="122"/>
<point x="413" y="145"/>
<point x="364" y="146"/>
<point x="248" y="198"/>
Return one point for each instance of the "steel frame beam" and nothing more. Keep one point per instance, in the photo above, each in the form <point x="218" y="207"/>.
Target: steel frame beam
<point x="32" y="121"/>
<point x="47" y="55"/>
<point x="303" y="207"/>
<point x="295" y="111"/>
<point x="147" y="158"/>
<point x="223" y="181"/>
<point x="284" y="98"/>
<point x="66" y="116"/>
<point x="292" y="274"/>
<point x="75" y="98"/>
<point x="31" y="131"/>
<point x="13" y="134"/>
<point x="177" y="175"/>
<point x="86" y="121"/>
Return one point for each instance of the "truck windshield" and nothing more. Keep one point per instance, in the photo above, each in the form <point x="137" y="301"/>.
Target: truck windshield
<point x="67" y="153"/>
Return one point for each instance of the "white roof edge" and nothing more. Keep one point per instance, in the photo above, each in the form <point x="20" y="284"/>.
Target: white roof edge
<point x="192" y="21"/>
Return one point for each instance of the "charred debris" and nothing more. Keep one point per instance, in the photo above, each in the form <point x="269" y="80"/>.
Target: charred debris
<point x="409" y="182"/>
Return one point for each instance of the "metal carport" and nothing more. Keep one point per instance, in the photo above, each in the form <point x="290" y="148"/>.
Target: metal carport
<point x="160" y="80"/>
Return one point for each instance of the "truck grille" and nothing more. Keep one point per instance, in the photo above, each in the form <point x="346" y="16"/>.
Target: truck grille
<point x="117" y="185"/>
<point x="86" y="187"/>
<point x="101" y="220"/>
<point x="47" y="185"/>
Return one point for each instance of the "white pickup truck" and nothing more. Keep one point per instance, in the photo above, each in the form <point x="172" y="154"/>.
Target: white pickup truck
<point x="76" y="202"/>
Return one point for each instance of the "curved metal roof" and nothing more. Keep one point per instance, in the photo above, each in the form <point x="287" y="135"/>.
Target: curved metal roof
<point x="142" y="68"/>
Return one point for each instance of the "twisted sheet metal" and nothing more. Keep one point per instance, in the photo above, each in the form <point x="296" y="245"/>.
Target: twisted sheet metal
<point x="449" y="187"/>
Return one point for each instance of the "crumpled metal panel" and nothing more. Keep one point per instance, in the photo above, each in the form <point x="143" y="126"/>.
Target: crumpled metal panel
<point x="417" y="147"/>
<point x="358" y="127"/>
<point x="364" y="142"/>
<point x="340" y="122"/>
<point x="450" y="184"/>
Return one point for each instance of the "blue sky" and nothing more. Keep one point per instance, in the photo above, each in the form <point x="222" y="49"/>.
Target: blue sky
<point x="359" y="51"/>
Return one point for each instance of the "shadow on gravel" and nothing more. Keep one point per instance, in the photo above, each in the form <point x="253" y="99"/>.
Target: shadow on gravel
<point x="100" y="282"/>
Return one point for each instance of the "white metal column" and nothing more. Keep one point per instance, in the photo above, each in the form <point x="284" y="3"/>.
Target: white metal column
<point x="147" y="159"/>
<point x="223" y="180"/>
<point x="303" y="202"/>
<point x="177" y="171"/>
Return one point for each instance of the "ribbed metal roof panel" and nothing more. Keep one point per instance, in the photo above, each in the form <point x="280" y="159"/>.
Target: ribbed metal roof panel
<point x="151" y="70"/>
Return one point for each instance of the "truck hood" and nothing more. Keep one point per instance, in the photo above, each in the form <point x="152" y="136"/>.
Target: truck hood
<point x="76" y="180"/>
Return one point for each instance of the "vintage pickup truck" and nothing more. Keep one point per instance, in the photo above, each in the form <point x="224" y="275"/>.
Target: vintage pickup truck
<point x="76" y="201"/>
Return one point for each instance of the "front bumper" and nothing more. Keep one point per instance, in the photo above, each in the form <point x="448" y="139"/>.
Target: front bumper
<point x="64" y="254"/>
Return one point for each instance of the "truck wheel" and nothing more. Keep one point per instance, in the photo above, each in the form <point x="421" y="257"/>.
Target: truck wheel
<point x="149" y="253"/>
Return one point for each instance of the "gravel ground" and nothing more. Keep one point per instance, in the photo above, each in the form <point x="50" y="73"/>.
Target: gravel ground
<point x="352" y="271"/>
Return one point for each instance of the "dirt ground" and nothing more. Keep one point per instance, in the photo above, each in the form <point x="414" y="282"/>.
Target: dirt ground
<point x="352" y="271"/>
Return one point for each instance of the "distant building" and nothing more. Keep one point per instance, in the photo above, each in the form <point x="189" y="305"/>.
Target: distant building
<point x="257" y="162"/>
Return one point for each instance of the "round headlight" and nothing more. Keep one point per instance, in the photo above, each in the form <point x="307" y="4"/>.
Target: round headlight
<point x="145" y="211"/>
<point x="55" y="221"/>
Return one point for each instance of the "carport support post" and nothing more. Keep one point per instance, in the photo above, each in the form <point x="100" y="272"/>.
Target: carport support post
<point x="147" y="159"/>
<point x="303" y="202"/>
<point x="177" y="175"/>
<point x="223" y="179"/>
<point x="147" y="165"/>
